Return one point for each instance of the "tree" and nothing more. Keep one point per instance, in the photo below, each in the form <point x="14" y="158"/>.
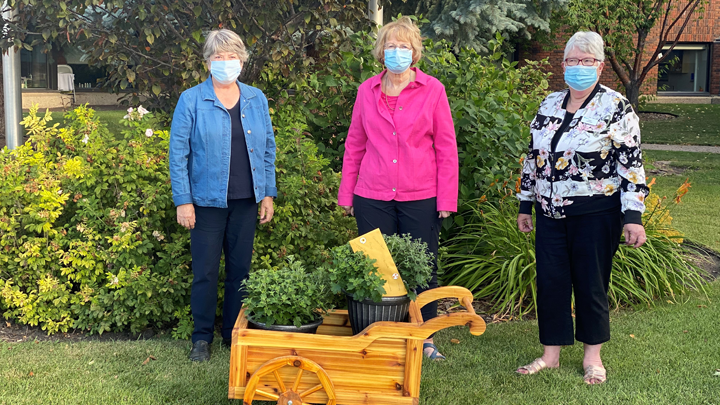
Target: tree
<point x="473" y="23"/>
<point x="154" y="47"/>
<point x="625" y="25"/>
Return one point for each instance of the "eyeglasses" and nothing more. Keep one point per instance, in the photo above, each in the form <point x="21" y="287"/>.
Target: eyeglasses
<point x="391" y="47"/>
<point x="584" y="61"/>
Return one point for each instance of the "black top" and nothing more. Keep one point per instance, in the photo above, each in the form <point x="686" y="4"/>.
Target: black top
<point x="240" y="184"/>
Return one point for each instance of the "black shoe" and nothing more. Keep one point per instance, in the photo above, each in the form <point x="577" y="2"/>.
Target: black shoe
<point x="200" y="351"/>
<point x="227" y="343"/>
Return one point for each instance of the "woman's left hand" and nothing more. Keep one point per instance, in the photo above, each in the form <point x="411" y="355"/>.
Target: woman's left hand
<point x="444" y="214"/>
<point x="634" y="235"/>
<point x="266" y="210"/>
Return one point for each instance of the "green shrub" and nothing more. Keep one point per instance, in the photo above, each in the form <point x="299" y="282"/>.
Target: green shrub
<point x="88" y="237"/>
<point x="289" y="295"/>
<point x="307" y="221"/>
<point x="492" y="258"/>
<point x="88" y="231"/>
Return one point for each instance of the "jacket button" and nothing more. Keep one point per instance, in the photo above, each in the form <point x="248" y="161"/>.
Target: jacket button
<point x="400" y="108"/>
<point x="394" y="133"/>
<point x="253" y="169"/>
<point x="393" y="188"/>
<point x="249" y="132"/>
<point x="243" y="115"/>
<point x="251" y="149"/>
<point x="394" y="160"/>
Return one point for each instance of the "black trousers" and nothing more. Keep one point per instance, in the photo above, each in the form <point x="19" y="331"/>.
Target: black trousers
<point x="417" y="218"/>
<point x="575" y="254"/>
<point x="230" y="230"/>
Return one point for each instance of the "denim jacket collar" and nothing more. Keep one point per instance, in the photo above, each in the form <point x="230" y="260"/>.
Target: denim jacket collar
<point x="208" y="91"/>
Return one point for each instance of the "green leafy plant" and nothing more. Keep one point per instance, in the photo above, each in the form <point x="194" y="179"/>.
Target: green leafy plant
<point x="307" y="220"/>
<point x="355" y="274"/>
<point x="412" y="259"/>
<point x="289" y="295"/>
<point x="492" y="258"/>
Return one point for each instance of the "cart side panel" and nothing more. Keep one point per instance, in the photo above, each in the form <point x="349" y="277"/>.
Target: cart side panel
<point x="379" y="370"/>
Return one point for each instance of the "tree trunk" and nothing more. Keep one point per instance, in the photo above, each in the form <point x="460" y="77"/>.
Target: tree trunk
<point x="632" y="92"/>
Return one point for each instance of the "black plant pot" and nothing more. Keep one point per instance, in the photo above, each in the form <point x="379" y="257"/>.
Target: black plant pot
<point x="364" y="313"/>
<point x="307" y="328"/>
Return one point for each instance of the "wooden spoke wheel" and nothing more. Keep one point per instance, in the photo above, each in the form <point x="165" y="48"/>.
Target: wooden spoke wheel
<point x="289" y="395"/>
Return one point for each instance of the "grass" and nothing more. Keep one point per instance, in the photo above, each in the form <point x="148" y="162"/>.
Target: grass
<point x="697" y="215"/>
<point x="110" y="118"/>
<point x="664" y="356"/>
<point x="697" y="124"/>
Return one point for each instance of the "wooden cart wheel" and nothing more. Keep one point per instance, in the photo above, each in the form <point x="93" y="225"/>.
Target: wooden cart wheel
<point x="289" y="396"/>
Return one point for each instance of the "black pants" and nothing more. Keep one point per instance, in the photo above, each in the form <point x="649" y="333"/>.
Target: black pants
<point x="575" y="254"/>
<point x="231" y="230"/>
<point x="417" y="218"/>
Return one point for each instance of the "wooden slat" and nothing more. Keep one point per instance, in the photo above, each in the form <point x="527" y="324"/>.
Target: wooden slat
<point x="334" y="330"/>
<point x="415" y="314"/>
<point x="353" y="398"/>
<point x="391" y="330"/>
<point x="238" y="363"/>
<point x="413" y="368"/>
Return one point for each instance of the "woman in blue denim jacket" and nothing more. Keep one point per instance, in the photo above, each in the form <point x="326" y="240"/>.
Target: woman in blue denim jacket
<point x="222" y="165"/>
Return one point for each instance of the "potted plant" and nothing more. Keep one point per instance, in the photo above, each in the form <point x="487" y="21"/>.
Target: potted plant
<point x="289" y="299"/>
<point x="355" y="274"/>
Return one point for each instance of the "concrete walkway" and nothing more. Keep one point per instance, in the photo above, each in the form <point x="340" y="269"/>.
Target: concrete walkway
<point x="681" y="148"/>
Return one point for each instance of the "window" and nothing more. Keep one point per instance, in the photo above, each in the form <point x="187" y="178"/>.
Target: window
<point x="33" y="69"/>
<point x="685" y="70"/>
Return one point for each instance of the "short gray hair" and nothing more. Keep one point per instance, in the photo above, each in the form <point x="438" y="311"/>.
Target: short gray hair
<point x="224" y="40"/>
<point x="588" y="42"/>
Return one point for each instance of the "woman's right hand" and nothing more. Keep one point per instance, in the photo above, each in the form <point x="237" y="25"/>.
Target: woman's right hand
<point x="186" y="215"/>
<point x="524" y="222"/>
<point x="349" y="210"/>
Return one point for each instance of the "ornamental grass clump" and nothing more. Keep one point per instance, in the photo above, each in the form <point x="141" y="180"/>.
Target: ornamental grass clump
<point x="492" y="258"/>
<point x="289" y="295"/>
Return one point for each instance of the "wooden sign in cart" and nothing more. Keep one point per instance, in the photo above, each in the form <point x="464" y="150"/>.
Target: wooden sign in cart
<point x="379" y="366"/>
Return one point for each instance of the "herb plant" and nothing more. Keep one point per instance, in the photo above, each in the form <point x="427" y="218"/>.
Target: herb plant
<point x="412" y="259"/>
<point x="355" y="274"/>
<point x="289" y="295"/>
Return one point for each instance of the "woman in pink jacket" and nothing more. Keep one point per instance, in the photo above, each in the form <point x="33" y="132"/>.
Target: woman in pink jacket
<point x="400" y="169"/>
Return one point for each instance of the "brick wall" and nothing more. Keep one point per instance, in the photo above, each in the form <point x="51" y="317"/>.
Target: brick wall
<point x="705" y="30"/>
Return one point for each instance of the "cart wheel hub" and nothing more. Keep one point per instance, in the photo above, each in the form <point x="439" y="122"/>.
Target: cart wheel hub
<point x="290" y="398"/>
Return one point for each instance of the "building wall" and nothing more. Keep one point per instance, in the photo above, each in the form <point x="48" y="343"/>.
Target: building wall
<point x="704" y="30"/>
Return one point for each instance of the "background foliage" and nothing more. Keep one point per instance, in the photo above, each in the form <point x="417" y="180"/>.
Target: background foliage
<point x="155" y="47"/>
<point x="492" y="258"/>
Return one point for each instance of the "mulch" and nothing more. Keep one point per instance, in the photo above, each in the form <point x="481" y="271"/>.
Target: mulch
<point x="646" y="116"/>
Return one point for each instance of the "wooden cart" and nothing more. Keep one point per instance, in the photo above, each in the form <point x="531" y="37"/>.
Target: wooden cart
<point x="379" y="366"/>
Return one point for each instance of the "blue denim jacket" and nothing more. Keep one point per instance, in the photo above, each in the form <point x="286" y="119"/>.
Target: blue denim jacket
<point x="200" y="138"/>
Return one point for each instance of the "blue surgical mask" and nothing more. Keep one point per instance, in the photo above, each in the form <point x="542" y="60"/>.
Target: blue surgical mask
<point x="581" y="77"/>
<point x="398" y="60"/>
<point x="225" y="71"/>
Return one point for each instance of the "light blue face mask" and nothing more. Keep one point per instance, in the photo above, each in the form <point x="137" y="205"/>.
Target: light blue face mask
<point x="225" y="71"/>
<point x="580" y="77"/>
<point x="398" y="60"/>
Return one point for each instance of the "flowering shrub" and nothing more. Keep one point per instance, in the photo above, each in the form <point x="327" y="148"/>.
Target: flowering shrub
<point x="88" y="231"/>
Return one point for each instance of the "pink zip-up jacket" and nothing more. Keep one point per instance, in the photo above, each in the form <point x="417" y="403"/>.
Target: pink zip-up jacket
<point x="411" y="156"/>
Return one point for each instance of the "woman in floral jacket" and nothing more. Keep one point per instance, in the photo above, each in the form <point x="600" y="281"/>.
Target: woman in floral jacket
<point x="585" y="177"/>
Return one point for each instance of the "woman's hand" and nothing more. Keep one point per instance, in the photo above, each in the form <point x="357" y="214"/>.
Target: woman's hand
<point x="349" y="210"/>
<point x="634" y="235"/>
<point x="524" y="222"/>
<point x="186" y="215"/>
<point x="266" y="210"/>
<point x="444" y="214"/>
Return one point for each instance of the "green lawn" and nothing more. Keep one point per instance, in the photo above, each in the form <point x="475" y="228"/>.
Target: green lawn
<point x="670" y="358"/>
<point x="697" y="124"/>
<point x="698" y="216"/>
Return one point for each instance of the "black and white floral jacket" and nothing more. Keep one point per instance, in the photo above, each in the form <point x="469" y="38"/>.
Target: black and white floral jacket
<point x="596" y="157"/>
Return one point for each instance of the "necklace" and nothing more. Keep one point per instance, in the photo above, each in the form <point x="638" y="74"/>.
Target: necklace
<point x="386" y="102"/>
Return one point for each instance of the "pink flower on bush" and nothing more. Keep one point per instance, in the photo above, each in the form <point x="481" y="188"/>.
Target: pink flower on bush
<point x="148" y="132"/>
